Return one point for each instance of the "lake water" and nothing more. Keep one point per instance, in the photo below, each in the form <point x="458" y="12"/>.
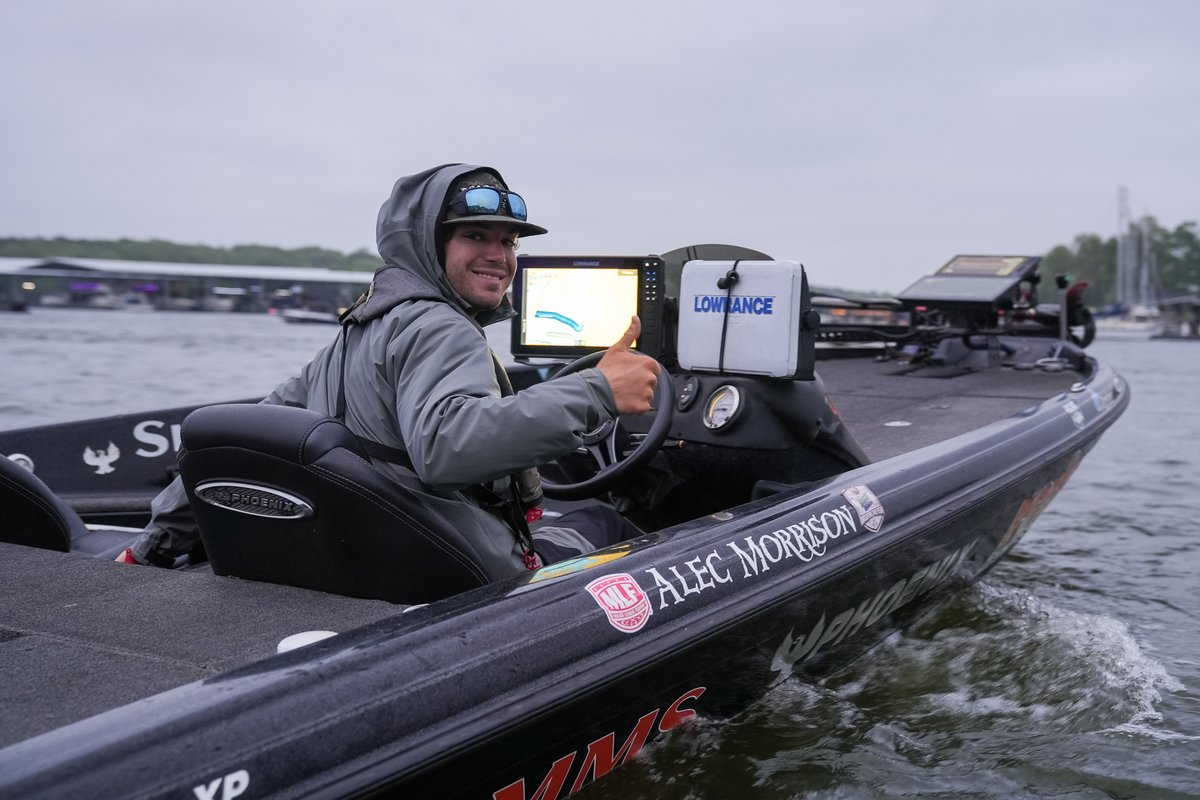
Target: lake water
<point x="1071" y="671"/>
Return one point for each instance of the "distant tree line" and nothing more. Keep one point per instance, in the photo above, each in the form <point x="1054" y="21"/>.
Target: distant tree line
<point x="1175" y="255"/>
<point x="170" y="252"/>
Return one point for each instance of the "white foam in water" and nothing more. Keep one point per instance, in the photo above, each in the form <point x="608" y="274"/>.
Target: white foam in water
<point x="1075" y="657"/>
<point x="1004" y="657"/>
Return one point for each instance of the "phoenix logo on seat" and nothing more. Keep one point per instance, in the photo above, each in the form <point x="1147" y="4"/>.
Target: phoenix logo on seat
<point x="258" y="501"/>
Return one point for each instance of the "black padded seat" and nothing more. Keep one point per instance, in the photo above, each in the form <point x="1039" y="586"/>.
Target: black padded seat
<point x="286" y="495"/>
<point x="31" y="514"/>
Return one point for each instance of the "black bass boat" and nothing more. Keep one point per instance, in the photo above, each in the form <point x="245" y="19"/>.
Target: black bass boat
<point x="817" y="469"/>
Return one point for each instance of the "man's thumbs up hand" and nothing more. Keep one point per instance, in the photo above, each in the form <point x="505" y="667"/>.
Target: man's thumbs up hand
<point x="631" y="376"/>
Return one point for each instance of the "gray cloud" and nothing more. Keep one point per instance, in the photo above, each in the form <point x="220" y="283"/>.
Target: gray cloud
<point x="871" y="141"/>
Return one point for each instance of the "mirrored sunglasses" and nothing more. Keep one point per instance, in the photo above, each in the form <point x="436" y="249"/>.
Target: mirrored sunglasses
<point x="486" y="200"/>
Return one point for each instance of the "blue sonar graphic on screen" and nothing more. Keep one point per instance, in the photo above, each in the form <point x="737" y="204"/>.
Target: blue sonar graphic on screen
<point x="554" y="315"/>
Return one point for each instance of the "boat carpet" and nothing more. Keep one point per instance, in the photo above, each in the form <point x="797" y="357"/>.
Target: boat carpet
<point x="890" y="412"/>
<point x="81" y="635"/>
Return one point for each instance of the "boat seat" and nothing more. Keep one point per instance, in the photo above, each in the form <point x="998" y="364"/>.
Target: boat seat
<point x="32" y="514"/>
<point x="286" y="495"/>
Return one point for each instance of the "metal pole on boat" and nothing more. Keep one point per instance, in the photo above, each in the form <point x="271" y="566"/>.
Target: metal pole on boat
<point x="1062" y="282"/>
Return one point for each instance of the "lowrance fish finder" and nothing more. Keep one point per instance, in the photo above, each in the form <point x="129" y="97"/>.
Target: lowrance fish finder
<point x="570" y="306"/>
<point x="972" y="284"/>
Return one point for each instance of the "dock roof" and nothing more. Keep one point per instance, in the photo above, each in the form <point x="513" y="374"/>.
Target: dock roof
<point x="117" y="268"/>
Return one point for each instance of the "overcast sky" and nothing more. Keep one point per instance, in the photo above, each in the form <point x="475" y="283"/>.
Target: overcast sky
<point x="870" y="140"/>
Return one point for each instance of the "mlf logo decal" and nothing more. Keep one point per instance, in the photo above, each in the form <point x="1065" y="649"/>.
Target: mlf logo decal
<point x="103" y="459"/>
<point x="626" y="605"/>
<point x="870" y="510"/>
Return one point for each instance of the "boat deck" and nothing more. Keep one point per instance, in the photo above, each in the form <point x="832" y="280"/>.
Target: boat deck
<point x="894" y="408"/>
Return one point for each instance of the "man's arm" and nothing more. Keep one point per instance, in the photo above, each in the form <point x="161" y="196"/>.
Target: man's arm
<point x="459" y="430"/>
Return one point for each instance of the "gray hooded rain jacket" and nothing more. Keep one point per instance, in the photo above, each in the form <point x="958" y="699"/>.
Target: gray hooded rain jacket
<point x="420" y="377"/>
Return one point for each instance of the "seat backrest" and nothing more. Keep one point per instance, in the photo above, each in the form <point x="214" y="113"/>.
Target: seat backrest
<point x="286" y="495"/>
<point x="31" y="514"/>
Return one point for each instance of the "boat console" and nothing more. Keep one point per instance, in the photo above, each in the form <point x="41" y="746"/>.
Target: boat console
<point x="736" y="338"/>
<point x="739" y="335"/>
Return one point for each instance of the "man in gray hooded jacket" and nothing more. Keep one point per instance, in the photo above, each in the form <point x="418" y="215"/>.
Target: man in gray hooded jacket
<point x="419" y="381"/>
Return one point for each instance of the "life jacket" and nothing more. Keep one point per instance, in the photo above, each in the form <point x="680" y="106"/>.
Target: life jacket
<point x="524" y="487"/>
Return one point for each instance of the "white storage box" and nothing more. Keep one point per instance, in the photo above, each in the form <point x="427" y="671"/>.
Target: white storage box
<point x="761" y="315"/>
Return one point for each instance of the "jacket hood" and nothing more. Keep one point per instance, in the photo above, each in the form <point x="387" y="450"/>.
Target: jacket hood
<point x="407" y="233"/>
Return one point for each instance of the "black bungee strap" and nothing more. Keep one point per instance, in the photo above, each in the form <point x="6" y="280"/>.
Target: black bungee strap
<point x="727" y="283"/>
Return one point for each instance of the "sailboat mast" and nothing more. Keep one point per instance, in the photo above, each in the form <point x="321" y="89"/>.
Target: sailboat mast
<point x="1126" y="253"/>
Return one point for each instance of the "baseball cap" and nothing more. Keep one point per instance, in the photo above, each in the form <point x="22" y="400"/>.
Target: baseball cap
<point x="495" y="203"/>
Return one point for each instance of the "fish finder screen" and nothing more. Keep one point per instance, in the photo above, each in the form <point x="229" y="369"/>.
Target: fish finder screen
<point x="569" y="306"/>
<point x="576" y="307"/>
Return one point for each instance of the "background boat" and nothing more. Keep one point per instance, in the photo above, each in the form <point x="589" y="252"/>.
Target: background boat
<point x="304" y="316"/>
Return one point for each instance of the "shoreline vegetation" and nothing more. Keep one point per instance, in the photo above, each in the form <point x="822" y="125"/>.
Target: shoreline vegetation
<point x="1171" y="258"/>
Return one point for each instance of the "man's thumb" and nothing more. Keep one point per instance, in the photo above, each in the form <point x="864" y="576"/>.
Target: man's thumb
<point x="630" y="336"/>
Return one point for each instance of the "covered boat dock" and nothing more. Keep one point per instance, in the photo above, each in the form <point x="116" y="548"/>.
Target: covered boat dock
<point x="151" y="285"/>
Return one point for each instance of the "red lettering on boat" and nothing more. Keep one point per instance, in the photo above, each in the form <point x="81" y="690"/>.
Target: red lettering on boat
<point x="599" y="758"/>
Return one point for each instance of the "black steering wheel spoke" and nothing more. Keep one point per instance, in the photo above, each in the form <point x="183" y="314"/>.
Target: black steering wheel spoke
<point x="603" y="453"/>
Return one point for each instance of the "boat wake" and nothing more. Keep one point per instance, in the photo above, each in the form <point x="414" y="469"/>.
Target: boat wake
<point x="997" y="655"/>
<point x="981" y="697"/>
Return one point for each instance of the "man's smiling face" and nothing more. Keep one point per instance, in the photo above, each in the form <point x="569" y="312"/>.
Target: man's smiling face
<point x="481" y="260"/>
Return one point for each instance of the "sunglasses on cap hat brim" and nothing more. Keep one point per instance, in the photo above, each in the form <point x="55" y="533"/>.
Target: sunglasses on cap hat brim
<point x="491" y="201"/>
<point x="492" y="204"/>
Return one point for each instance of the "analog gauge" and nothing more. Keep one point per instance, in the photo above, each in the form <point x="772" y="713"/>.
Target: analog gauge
<point x="722" y="407"/>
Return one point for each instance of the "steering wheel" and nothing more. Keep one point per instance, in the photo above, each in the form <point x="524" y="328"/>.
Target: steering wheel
<point x="611" y="463"/>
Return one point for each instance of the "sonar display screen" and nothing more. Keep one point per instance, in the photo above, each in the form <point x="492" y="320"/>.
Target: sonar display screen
<point x="573" y="307"/>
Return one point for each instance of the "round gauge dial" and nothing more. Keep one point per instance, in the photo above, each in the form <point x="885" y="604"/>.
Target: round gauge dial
<point x="722" y="407"/>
